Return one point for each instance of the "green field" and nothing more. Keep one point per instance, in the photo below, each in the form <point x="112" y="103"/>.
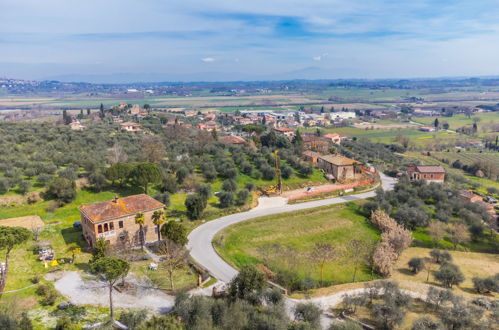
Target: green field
<point x="418" y="138"/>
<point x="247" y="242"/>
<point x="461" y="120"/>
<point x="467" y="157"/>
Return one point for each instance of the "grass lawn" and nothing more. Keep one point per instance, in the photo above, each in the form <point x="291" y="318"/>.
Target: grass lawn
<point x="472" y="264"/>
<point x="244" y="243"/>
<point x="184" y="278"/>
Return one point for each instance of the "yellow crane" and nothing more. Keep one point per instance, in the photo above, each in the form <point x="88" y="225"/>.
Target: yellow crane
<point x="275" y="189"/>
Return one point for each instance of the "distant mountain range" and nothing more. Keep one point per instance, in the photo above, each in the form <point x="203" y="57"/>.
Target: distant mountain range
<point x="306" y="73"/>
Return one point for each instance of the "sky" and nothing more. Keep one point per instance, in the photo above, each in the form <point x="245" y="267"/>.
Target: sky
<point x="249" y="40"/>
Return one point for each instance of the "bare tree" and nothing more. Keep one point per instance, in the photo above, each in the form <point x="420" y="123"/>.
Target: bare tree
<point x="358" y="251"/>
<point x="322" y="253"/>
<point x="428" y="266"/>
<point x="437" y="231"/>
<point x="383" y="258"/>
<point x="153" y="149"/>
<point x="174" y="258"/>
<point x="382" y="220"/>
<point x="398" y="237"/>
<point x="458" y="234"/>
<point x="37" y="231"/>
<point x="117" y="154"/>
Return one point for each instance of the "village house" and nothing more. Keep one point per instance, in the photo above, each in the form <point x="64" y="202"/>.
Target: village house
<point x="342" y="115"/>
<point x="208" y="126"/>
<point x="430" y="173"/>
<point x="427" y="129"/>
<point x="338" y="167"/>
<point x="469" y="196"/>
<point x="232" y="140"/>
<point x="315" y="143"/>
<point x="311" y="156"/>
<point x="115" y="220"/>
<point x="335" y="138"/>
<point x="76" y="126"/>
<point x="130" y="127"/>
<point x="209" y="116"/>
<point x="286" y="131"/>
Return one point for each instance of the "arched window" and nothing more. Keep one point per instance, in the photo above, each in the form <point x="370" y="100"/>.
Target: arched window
<point x="99" y="229"/>
<point x="106" y="227"/>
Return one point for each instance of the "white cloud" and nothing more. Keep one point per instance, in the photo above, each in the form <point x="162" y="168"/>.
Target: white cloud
<point x="208" y="59"/>
<point x="320" y="57"/>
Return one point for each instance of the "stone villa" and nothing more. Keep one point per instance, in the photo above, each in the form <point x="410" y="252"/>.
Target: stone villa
<point x="338" y="167"/>
<point x="430" y="173"/>
<point x="115" y="220"/>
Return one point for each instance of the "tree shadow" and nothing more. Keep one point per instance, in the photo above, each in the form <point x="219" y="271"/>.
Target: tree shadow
<point x="405" y="271"/>
<point x="73" y="235"/>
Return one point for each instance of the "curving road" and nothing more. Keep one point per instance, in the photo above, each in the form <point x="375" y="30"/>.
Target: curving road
<point x="200" y="239"/>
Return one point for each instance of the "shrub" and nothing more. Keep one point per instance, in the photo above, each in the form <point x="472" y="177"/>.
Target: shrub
<point x="4" y="186"/>
<point x="440" y="257"/>
<point x="229" y="185"/>
<point x="250" y="186"/>
<point x="345" y="325"/>
<point x="163" y="198"/>
<point x="226" y="199"/>
<point x="169" y="184"/>
<point x="204" y="191"/>
<point x="449" y="274"/>
<point x="427" y="323"/>
<point x="309" y="313"/>
<point x="487" y="284"/>
<point x="286" y="172"/>
<point x="416" y="264"/>
<point x="133" y="319"/>
<point x="61" y="189"/>
<point x="242" y="196"/>
<point x="48" y="293"/>
<point x="195" y="204"/>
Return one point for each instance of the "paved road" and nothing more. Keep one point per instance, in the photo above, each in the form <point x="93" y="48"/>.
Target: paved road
<point x="200" y="239"/>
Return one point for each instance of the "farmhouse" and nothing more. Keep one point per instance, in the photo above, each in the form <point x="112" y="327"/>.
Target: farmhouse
<point x="430" y="173"/>
<point x="340" y="167"/>
<point x="115" y="220"/>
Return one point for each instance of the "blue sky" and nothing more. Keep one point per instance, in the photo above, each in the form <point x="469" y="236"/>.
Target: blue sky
<point x="218" y="40"/>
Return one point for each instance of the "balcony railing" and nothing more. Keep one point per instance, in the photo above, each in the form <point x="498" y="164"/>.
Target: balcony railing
<point x="107" y="233"/>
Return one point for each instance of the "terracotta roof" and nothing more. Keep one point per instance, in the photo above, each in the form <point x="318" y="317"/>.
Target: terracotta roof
<point x="129" y="123"/>
<point x="467" y="194"/>
<point x="338" y="160"/>
<point x="310" y="153"/>
<point x="430" y="169"/>
<point x="229" y="139"/>
<point x="120" y="207"/>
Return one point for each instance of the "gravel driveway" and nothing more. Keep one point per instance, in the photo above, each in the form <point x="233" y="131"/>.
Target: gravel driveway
<point x="94" y="292"/>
